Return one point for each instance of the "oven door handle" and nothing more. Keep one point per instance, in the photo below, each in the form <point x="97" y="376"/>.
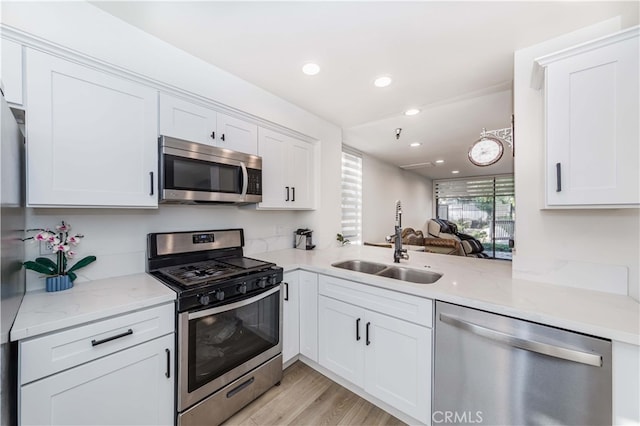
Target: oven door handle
<point x="232" y="306"/>
<point x="245" y="179"/>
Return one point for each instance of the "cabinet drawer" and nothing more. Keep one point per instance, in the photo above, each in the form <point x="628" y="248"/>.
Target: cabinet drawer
<point x="399" y="305"/>
<point x="43" y="356"/>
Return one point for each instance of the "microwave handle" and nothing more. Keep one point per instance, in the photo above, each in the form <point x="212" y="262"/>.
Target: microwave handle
<point x="245" y="178"/>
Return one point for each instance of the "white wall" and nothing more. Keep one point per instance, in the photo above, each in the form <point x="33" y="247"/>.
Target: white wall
<point x="581" y="248"/>
<point x="383" y="184"/>
<point x="117" y="237"/>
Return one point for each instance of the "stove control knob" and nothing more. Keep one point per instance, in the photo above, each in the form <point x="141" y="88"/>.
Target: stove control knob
<point x="220" y="295"/>
<point x="242" y="288"/>
<point x="273" y="279"/>
<point x="262" y="283"/>
<point x="204" y="299"/>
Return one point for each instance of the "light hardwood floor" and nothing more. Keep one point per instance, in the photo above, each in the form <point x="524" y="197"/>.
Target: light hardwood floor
<point x="306" y="397"/>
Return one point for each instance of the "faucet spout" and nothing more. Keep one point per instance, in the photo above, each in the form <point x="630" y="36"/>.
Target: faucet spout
<point x="399" y="252"/>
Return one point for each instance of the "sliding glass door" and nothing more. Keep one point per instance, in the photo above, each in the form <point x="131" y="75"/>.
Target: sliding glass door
<point x="483" y="207"/>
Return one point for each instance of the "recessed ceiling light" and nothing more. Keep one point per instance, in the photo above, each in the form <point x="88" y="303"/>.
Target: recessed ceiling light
<point x="455" y="172"/>
<point x="415" y="144"/>
<point x="311" y="69"/>
<point x="412" y="111"/>
<point x="439" y="161"/>
<point x="382" y="81"/>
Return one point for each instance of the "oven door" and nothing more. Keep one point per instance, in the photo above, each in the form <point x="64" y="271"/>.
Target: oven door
<point x="220" y="344"/>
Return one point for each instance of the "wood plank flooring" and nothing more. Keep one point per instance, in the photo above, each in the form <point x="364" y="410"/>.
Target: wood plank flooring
<point x="306" y="397"/>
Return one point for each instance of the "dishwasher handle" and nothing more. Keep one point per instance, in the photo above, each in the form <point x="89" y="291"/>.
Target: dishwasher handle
<point x="528" y="345"/>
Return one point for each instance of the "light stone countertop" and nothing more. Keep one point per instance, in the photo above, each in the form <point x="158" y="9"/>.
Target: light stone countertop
<point x="483" y="284"/>
<point x="42" y="312"/>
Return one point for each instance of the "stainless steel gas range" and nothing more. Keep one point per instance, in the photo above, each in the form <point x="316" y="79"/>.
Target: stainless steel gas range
<point x="229" y="321"/>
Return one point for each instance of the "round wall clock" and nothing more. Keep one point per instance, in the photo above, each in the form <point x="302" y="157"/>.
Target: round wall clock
<point x="486" y="151"/>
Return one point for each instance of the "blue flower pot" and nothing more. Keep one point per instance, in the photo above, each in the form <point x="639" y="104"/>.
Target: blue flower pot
<point x="59" y="283"/>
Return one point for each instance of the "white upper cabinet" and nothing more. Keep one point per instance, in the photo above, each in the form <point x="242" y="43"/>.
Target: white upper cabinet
<point x="11" y="71"/>
<point x="236" y="134"/>
<point x="91" y="137"/>
<point x="287" y="171"/>
<point x="185" y="120"/>
<point x="592" y="133"/>
<point x="193" y="122"/>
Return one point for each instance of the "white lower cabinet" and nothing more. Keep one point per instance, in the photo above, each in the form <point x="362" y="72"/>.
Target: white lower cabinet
<point x="388" y="357"/>
<point x="290" y="316"/>
<point x="308" y="292"/>
<point x="341" y="339"/>
<point x="118" y="371"/>
<point x="397" y="364"/>
<point x="131" y="387"/>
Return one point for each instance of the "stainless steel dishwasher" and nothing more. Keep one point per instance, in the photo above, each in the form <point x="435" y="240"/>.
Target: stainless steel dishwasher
<point x="495" y="370"/>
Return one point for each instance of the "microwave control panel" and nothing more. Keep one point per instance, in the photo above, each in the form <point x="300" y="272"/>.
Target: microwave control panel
<point x="254" y="184"/>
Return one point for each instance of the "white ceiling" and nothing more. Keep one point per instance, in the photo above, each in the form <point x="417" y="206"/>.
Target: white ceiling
<point x="453" y="60"/>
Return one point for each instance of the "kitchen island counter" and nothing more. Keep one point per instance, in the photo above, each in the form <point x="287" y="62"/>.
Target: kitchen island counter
<point x="482" y="284"/>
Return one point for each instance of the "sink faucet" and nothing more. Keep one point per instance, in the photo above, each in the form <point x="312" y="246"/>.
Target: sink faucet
<point x="398" y="252"/>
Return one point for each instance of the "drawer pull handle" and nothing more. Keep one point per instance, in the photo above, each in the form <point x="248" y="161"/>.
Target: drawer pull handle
<point x="367" y="341"/>
<point x="108" y="339"/>
<point x="168" y="372"/>
<point x="358" y="329"/>
<point x="240" y="387"/>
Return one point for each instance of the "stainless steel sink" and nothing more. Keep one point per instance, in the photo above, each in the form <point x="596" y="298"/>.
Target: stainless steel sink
<point x="361" y="266"/>
<point x="411" y="275"/>
<point x="395" y="272"/>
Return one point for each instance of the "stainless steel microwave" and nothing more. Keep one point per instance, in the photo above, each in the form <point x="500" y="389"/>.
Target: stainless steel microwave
<point x="193" y="173"/>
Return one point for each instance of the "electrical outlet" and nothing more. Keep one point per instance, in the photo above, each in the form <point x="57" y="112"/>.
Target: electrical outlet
<point x="44" y="247"/>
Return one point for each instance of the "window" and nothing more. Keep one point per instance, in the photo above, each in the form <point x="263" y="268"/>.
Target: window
<point x="351" y="195"/>
<point x="483" y="207"/>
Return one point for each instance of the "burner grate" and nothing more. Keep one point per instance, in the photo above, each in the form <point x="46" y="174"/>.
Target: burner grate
<point x="196" y="273"/>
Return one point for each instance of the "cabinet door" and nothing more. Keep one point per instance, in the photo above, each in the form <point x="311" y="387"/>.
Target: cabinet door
<point x="272" y="147"/>
<point x="398" y="364"/>
<point x="131" y="387"/>
<point x="308" y="289"/>
<point x="237" y="135"/>
<point x="11" y="71"/>
<point x="341" y="332"/>
<point x="301" y="174"/>
<point x="91" y="137"/>
<point x="592" y="127"/>
<point x="185" y="120"/>
<point x="290" y="321"/>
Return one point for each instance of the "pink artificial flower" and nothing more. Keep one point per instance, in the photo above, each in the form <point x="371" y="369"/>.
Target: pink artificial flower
<point x="60" y="247"/>
<point x="43" y="236"/>
<point x="65" y="227"/>
<point x="75" y="240"/>
<point x="53" y="240"/>
<point x="70" y="254"/>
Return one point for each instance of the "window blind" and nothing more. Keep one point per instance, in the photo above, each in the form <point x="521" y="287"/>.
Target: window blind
<point x="484" y="186"/>
<point x="351" y="195"/>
